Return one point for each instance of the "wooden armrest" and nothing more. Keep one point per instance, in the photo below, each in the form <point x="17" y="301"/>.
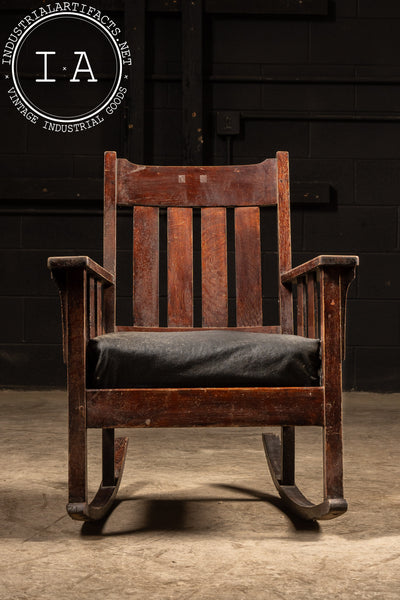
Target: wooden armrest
<point x="317" y="263"/>
<point x="63" y="263"/>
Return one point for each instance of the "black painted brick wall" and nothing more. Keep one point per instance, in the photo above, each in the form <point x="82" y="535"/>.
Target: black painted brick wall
<point x="358" y="160"/>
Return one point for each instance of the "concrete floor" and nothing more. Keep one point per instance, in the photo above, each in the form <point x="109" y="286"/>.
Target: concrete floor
<point x="198" y="515"/>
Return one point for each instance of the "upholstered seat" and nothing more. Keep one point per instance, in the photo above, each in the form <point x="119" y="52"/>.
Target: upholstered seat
<point x="202" y="359"/>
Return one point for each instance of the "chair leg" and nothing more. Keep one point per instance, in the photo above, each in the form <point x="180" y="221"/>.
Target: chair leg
<point x="280" y="450"/>
<point x="288" y="455"/>
<point x="114" y="453"/>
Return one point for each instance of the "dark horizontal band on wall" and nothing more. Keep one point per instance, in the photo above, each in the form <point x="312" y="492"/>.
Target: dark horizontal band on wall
<point x="35" y="188"/>
<point x="258" y="7"/>
<point x="85" y="195"/>
<point x="286" y="78"/>
<point x="306" y="115"/>
<point x="243" y="7"/>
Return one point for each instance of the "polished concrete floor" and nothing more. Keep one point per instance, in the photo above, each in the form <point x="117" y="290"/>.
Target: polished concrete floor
<point x="198" y="515"/>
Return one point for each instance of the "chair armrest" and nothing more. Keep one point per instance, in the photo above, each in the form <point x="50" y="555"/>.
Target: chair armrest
<point x="336" y="274"/>
<point x="64" y="263"/>
<point x="318" y="263"/>
<point x="93" y="301"/>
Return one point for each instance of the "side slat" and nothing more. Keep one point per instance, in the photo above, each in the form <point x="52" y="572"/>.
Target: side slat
<point x="214" y="275"/>
<point x="311" y="305"/>
<point x="301" y="304"/>
<point x="180" y="267"/>
<point x="92" y="307"/>
<point x="99" y="308"/>
<point x="145" y="266"/>
<point x="248" y="267"/>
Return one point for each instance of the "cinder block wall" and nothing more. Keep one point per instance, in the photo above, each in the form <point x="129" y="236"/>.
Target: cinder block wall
<point x="326" y="89"/>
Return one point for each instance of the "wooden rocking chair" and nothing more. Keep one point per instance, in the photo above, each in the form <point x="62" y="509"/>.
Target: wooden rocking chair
<point x="228" y="372"/>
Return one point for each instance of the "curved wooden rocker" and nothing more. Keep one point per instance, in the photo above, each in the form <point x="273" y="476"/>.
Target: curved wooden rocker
<point x="318" y="288"/>
<point x="290" y="494"/>
<point x="104" y="499"/>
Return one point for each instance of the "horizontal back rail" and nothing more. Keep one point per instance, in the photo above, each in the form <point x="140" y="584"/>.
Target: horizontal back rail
<point x="187" y="186"/>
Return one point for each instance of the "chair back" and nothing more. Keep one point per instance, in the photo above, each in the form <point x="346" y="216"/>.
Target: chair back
<point x="222" y="257"/>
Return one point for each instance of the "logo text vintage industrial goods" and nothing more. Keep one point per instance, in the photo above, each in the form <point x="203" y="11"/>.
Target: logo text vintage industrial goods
<point x="67" y="66"/>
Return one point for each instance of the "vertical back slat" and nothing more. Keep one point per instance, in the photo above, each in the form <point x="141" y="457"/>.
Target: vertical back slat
<point x="145" y="266"/>
<point x="214" y="276"/>
<point x="248" y="266"/>
<point x="180" y="267"/>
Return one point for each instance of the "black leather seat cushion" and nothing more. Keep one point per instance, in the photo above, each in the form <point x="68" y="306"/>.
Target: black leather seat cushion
<point x="213" y="358"/>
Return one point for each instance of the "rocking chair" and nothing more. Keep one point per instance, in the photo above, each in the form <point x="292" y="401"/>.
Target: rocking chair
<point x="230" y="370"/>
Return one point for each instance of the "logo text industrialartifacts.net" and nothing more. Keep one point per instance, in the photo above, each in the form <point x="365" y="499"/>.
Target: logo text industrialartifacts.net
<point x="67" y="66"/>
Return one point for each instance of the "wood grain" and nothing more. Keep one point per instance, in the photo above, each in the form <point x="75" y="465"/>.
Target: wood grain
<point x="145" y="266"/>
<point x="180" y="267"/>
<point x="190" y="186"/>
<point x="248" y="266"/>
<point x="214" y="274"/>
<point x="192" y="407"/>
<point x="284" y="241"/>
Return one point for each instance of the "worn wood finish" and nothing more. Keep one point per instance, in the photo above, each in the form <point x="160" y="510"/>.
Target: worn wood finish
<point x="331" y="318"/>
<point x="106" y="494"/>
<point x="58" y="264"/>
<point x="248" y="267"/>
<point x="284" y="240"/>
<point x="301" y="307"/>
<point x="312" y="299"/>
<point x="110" y="234"/>
<point x="110" y="216"/>
<point x="195" y="407"/>
<point x="88" y="298"/>
<point x="238" y="185"/>
<point x="287" y="447"/>
<point x="92" y="308"/>
<point x="291" y="496"/>
<point x="214" y="269"/>
<point x="145" y="266"/>
<point x="77" y="335"/>
<point x="349" y="262"/>
<point x="180" y="267"/>
<point x="99" y="309"/>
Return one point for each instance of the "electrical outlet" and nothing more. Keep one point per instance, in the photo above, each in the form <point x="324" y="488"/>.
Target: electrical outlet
<point x="228" y="122"/>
